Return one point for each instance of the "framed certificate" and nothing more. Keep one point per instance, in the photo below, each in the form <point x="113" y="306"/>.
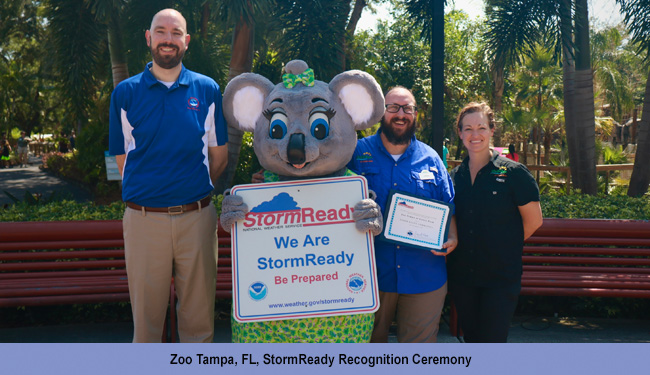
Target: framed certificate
<point x="416" y="221"/>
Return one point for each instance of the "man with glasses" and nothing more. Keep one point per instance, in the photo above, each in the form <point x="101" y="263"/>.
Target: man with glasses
<point x="412" y="282"/>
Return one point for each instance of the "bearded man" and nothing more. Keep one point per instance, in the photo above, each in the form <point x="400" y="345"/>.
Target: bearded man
<point x="169" y="137"/>
<point x="412" y="282"/>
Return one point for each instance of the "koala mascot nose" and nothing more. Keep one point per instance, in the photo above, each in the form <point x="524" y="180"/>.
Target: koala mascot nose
<point x="296" y="149"/>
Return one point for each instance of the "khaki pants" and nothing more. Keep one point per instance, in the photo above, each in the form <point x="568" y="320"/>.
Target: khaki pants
<point x="417" y="315"/>
<point x="159" y="245"/>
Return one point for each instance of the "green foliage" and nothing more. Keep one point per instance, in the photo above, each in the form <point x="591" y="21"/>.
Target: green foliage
<point x="581" y="206"/>
<point x="617" y="72"/>
<point x="66" y="210"/>
<point x="77" y="48"/>
<point x="637" y="18"/>
<point x="396" y="55"/>
<point x="313" y="31"/>
<point x="248" y="163"/>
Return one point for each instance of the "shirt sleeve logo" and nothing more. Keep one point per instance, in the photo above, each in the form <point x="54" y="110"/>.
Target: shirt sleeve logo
<point x="193" y="103"/>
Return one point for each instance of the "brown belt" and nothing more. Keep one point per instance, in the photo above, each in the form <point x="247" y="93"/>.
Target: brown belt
<point x="174" y="210"/>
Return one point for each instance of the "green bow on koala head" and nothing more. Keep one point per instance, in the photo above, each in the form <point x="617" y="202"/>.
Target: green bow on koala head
<point x="291" y="80"/>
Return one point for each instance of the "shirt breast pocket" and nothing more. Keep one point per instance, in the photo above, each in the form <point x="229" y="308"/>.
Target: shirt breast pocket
<point x="426" y="187"/>
<point x="371" y="173"/>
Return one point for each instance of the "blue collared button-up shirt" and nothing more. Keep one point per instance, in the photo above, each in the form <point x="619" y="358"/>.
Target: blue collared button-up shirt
<point x="400" y="268"/>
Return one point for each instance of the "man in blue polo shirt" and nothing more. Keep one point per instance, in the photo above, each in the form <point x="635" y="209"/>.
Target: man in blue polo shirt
<point x="169" y="137"/>
<point x="412" y="282"/>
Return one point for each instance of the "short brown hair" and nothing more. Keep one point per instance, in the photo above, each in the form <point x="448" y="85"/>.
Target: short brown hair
<point x="400" y="87"/>
<point x="474" y="107"/>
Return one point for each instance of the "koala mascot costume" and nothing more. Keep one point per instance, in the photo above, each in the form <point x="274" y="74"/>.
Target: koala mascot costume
<point x="303" y="128"/>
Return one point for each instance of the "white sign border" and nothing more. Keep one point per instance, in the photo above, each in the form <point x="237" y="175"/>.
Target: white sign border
<point x="373" y="282"/>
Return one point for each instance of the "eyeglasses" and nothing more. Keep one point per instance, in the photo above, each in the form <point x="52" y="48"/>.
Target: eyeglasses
<point x="407" y="108"/>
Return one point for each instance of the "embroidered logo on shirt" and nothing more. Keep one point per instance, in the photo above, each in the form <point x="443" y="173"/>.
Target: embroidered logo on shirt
<point x="193" y="103"/>
<point x="366" y="157"/>
<point x="501" y="172"/>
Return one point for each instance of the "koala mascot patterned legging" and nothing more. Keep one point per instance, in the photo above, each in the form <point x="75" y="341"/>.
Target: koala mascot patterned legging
<point x="354" y="102"/>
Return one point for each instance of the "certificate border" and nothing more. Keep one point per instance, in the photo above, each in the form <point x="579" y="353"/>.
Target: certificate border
<point x="389" y="201"/>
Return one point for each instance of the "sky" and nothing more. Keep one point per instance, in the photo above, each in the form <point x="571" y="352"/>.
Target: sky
<point x="604" y="12"/>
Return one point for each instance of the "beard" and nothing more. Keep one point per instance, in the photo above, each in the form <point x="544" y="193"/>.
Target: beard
<point x="166" y="61"/>
<point x="392" y="136"/>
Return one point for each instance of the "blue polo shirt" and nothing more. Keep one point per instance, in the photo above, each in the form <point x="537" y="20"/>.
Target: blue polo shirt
<point x="400" y="268"/>
<point x="165" y="134"/>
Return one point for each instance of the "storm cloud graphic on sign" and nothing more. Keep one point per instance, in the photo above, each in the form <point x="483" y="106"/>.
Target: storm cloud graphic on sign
<point x="281" y="202"/>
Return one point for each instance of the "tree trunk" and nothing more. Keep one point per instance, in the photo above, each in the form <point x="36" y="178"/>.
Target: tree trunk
<point x="116" y="49"/>
<point x="548" y="138"/>
<point x="349" y="32"/>
<point x="355" y="16"/>
<point x="568" y="77"/>
<point x="641" y="173"/>
<point x="498" y="85"/>
<point x="497" y="97"/>
<point x="584" y="104"/>
<point x="240" y="62"/>
<point x="205" y="20"/>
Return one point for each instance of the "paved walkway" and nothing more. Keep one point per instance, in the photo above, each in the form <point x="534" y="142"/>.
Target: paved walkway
<point x="17" y="181"/>
<point x="523" y="330"/>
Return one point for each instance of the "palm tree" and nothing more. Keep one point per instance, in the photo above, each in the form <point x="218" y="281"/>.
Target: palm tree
<point x="76" y="44"/>
<point x="429" y="16"/>
<point x="538" y="88"/>
<point x="243" y="15"/>
<point x="109" y="12"/>
<point x="515" y="28"/>
<point x="637" y="18"/>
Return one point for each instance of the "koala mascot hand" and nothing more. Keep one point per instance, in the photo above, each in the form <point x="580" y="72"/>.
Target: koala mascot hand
<point x="233" y="209"/>
<point x="367" y="216"/>
<point x="305" y="128"/>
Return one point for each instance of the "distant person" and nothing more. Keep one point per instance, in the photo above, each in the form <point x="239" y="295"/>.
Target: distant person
<point x="73" y="141"/>
<point x="5" y="152"/>
<point x="23" y="149"/>
<point x="445" y="152"/>
<point x="497" y="208"/>
<point x="512" y="155"/>
<point x="63" y="144"/>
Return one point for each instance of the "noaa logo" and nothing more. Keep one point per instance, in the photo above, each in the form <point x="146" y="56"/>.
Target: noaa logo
<point x="193" y="103"/>
<point x="257" y="291"/>
<point x="356" y="283"/>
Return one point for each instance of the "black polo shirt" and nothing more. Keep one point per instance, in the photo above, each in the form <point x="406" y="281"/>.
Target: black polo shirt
<point x="490" y="230"/>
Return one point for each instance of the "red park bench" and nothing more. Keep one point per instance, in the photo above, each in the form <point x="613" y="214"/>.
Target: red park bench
<point x="49" y="263"/>
<point x="586" y="258"/>
<point x="54" y="263"/>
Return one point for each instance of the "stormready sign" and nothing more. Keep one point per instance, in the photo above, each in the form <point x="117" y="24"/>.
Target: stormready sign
<point x="297" y="253"/>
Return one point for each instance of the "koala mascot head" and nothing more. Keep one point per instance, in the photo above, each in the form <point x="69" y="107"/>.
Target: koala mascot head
<point x="302" y="127"/>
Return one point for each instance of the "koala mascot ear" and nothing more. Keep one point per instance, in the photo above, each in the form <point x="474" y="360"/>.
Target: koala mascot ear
<point x="361" y="97"/>
<point x="243" y="100"/>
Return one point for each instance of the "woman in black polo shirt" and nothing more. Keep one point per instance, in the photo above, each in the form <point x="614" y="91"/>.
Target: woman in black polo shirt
<point x="497" y="207"/>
